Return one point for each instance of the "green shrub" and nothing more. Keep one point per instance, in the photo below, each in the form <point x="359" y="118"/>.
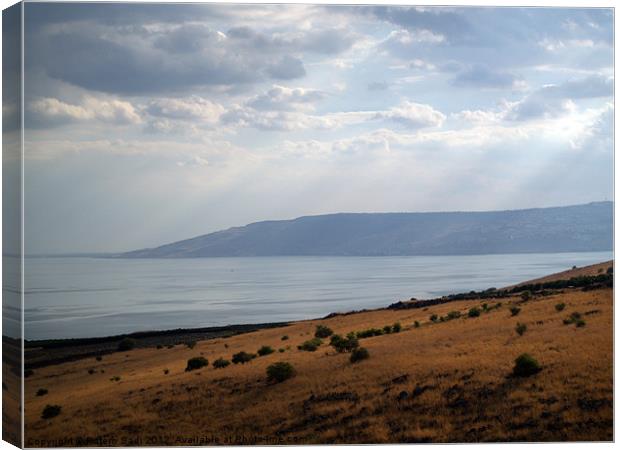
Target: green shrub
<point x="453" y="315"/>
<point x="197" y="362"/>
<point x="515" y="310"/>
<point x="91" y="371"/>
<point x="485" y="307"/>
<point x="610" y="270"/>
<point x="575" y="316"/>
<point x="434" y="318"/>
<point x="311" y="345"/>
<point x="281" y="350"/>
<point x="369" y="333"/>
<point x="580" y="323"/>
<point x="42" y="392"/>
<point x="560" y="307"/>
<point x="343" y="345"/>
<point x="265" y="350"/>
<point x="284" y="338"/>
<point x="243" y="357"/>
<point x="220" y="363"/>
<point x="126" y="345"/>
<point x="50" y="411"/>
<point x="473" y="312"/>
<point x="526" y="295"/>
<point x="416" y="324"/>
<point x="280" y="371"/>
<point x="397" y="327"/>
<point x="323" y="332"/>
<point x="359" y="354"/>
<point x="521" y="328"/>
<point x="166" y="371"/>
<point x="525" y="365"/>
<point x="387" y="329"/>
<point x="115" y="378"/>
<point x="190" y="344"/>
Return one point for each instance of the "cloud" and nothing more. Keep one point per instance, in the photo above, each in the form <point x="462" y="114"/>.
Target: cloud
<point x="191" y="108"/>
<point x="408" y="114"/>
<point x="378" y="86"/>
<point x="46" y="111"/>
<point x="286" y="68"/>
<point x="555" y="100"/>
<point x="196" y="161"/>
<point x="284" y="98"/>
<point x="482" y="76"/>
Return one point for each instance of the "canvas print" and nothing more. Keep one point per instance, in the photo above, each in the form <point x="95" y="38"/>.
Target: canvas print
<point x="292" y="224"/>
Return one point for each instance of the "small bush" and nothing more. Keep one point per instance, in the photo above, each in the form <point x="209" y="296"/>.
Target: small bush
<point x="220" y="363"/>
<point x="50" y="411"/>
<point x="98" y="358"/>
<point x="343" y="345"/>
<point x="525" y="366"/>
<point x="416" y="324"/>
<point x="115" y="378"/>
<point x="515" y="310"/>
<point x="284" y="338"/>
<point x="369" y="333"/>
<point x="280" y="371"/>
<point x="197" y="362"/>
<point x="281" y="350"/>
<point x="170" y="346"/>
<point x="575" y="316"/>
<point x="387" y="329"/>
<point x="310" y="346"/>
<point x="580" y="323"/>
<point x="359" y="354"/>
<point x="91" y="371"/>
<point x="485" y="307"/>
<point x="190" y="344"/>
<point x="323" y="332"/>
<point x="526" y="295"/>
<point x="166" y="371"/>
<point x="560" y="307"/>
<point x="453" y="315"/>
<point x="397" y="327"/>
<point x="242" y="357"/>
<point x="159" y="346"/>
<point x="521" y="328"/>
<point x="434" y="318"/>
<point x="610" y="270"/>
<point x="126" y="345"/>
<point x="28" y="373"/>
<point x="265" y="350"/>
<point x="41" y="392"/>
<point x="474" y="312"/>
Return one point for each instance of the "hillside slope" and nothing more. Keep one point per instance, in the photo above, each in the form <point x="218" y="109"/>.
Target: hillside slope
<point x="562" y="229"/>
<point x="444" y="381"/>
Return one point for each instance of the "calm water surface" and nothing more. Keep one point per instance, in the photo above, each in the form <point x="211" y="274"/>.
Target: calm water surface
<point x="86" y="297"/>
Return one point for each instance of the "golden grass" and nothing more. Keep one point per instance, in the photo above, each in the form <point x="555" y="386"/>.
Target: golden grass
<point x="459" y="371"/>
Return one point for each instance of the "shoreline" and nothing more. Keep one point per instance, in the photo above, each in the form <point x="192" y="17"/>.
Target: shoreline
<point x="41" y="353"/>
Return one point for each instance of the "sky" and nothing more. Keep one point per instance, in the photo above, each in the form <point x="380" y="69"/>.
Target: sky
<point x="151" y="123"/>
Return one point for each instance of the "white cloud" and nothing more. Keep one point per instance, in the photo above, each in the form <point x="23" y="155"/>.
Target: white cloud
<point x="192" y="108"/>
<point x="284" y="98"/>
<point x="89" y="109"/>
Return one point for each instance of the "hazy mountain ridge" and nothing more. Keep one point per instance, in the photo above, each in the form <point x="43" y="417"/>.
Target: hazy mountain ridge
<point x="586" y="227"/>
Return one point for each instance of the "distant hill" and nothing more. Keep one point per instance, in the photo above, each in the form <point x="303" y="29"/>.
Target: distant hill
<point x="560" y="229"/>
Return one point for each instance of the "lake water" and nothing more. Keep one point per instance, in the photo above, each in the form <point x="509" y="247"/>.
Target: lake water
<point x="86" y="297"/>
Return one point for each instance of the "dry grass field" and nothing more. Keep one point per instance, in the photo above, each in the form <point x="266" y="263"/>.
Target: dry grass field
<point x="448" y="381"/>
